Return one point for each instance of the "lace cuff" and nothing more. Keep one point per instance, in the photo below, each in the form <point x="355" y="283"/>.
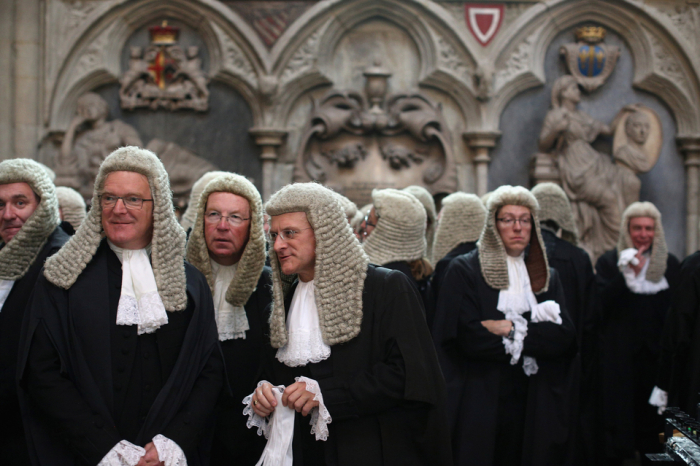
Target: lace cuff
<point x="254" y="420"/>
<point x="123" y="453"/>
<point x="169" y="452"/>
<point x="659" y="398"/>
<point x="320" y="417"/>
<point x="514" y="347"/>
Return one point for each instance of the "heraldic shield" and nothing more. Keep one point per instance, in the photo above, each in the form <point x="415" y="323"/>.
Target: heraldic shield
<point x="589" y="60"/>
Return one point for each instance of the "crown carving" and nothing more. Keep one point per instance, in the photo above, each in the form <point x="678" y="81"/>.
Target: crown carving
<point x="164" y="34"/>
<point x="590" y="34"/>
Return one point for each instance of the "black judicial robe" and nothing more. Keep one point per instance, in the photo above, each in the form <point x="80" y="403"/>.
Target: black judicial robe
<point x="441" y="270"/>
<point x="234" y="443"/>
<point x="87" y="384"/>
<point x="383" y="388"/>
<point x="497" y="413"/>
<point x="578" y="282"/>
<point x="679" y="373"/>
<point x="13" y="446"/>
<point x="423" y="287"/>
<point x="631" y="327"/>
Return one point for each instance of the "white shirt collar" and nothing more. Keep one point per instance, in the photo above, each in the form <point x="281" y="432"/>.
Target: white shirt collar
<point x="305" y="344"/>
<point x="5" y="289"/>
<point x="139" y="301"/>
<point x="231" y="321"/>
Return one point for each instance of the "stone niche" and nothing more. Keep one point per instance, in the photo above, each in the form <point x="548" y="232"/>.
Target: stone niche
<point x="512" y="157"/>
<point x="375" y="128"/>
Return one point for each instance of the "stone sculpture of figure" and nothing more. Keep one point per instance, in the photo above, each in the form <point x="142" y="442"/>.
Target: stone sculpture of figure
<point x="90" y="138"/>
<point x="631" y="157"/>
<point x="589" y="178"/>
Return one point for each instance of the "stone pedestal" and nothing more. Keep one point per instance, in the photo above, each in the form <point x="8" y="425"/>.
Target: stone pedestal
<point x="269" y="140"/>
<point x="481" y="142"/>
<point x="690" y="148"/>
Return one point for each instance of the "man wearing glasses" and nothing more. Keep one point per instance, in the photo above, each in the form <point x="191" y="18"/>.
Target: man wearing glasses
<point x="119" y="360"/>
<point x="29" y="233"/>
<point x="227" y="245"/>
<point x="505" y="340"/>
<point x="348" y="343"/>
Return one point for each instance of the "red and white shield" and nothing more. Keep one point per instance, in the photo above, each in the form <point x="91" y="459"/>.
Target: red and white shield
<point x="484" y="20"/>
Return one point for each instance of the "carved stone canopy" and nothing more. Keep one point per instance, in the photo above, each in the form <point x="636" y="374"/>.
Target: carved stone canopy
<point x="164" y="75"/>
<point x="357" y="142"/>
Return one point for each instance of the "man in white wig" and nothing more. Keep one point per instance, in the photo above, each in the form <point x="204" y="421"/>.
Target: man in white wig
<point x="227" y="245"/>
<point x="505" y="340"/>
<point x="119" y="357"/>
<point x="29" y="233"/>
<point x="636" y="282"/>
<point x="190" y="213"/>
<point x="71" y="206"/>
<point x="348" y="343"/>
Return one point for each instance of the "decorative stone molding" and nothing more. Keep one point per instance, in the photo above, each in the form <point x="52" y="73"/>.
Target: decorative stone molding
<point x="269" y="140"/>
<point x="481" y="142"/>
<point x="303" y="60"/>
<point x="518" y="64"/>
<point x="234" y="60"/>
<point x="689" y="146"/>
<point x="666" y="64"/>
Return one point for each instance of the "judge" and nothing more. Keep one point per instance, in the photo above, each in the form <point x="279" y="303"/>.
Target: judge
<point x="348" y="343"/>
<point x="635" y="281"/>
<point x="29" y="233"/>
<point x="578" y="282"/>
<point x="227" y="245"/>
<point x="119" y="358"/>
<point x="426" y="199"/>
<point x="460" y="223"/>
<point x="679" y="373"/>
<point x="395" y="239"/>
<point x="505" y="341"/>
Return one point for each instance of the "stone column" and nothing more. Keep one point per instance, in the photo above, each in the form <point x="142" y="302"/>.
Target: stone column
<point x="269" y="139"/>
<point x="481" y="142"/>
<point x="7" y="67"/>
<point x="690" y="148"/>
<point x="28" y="15"/>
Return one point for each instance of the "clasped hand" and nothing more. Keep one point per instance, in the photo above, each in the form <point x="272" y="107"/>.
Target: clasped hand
<point x="296" y="396"/>
<point x="151" y="457"/>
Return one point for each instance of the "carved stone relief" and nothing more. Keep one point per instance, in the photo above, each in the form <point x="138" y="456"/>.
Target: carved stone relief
<point x="517" y="63"/>
<point x="666" y="64"/>
<point x="356" y="142"/>
<point x="234" y="60"/>
<point x="589" y="60"/>
<point x="598" y="188"/>
<point x="303" y="60"/>
<point x="685" y="19"/>
<point x="164" y="75"/>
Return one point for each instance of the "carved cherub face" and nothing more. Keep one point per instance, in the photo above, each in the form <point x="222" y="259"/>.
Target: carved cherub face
<point x="637" y="127"/>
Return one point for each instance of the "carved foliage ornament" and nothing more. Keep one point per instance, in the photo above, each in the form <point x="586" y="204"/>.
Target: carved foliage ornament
<point x="165" y="75"/>
<point x="374" y="140"/>
<point x="589" y="60"/>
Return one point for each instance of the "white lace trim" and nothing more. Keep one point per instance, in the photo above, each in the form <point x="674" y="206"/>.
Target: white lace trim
<point x="123" y="453"/>
<point x="320" y="417"/>
<point x="638" y="283"/>
<point x="659" y="398"/>
<point x="169" y="452"/>
<point x="148" y="312"/>
<point x="303" y="347"/>
<point x="231" y="321"/>
<point x="514" y="347"/>
<point x="254" y="420"/>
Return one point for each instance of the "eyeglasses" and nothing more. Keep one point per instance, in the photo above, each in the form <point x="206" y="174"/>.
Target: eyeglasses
<point x="367" y="222"/>
<point x="233" y="220"/>
<point x="284" y="235"/>
<point x="509" y="222"/>
<point x="130" y="202"/>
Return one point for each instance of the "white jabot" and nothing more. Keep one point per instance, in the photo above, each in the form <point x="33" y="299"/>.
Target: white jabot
<point x="305" y="343"/>
<point x="5" y="288"/>
<point x="231" y="321"/>
<point x="139" y="302"/>
<point x="638" y="283"/>
<point x="517" y="300"/>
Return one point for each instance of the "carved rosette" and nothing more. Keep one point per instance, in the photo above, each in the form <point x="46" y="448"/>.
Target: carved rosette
<point x="356" y="142"/>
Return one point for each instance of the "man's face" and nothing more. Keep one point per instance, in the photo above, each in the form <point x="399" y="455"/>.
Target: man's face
<point x="128" y="228"/>
<point x="515" y="234"/>
<point x="642" y="232"/>
<point x="297" y="255"/>
<point x="369" y="223"/>
<point x="17" y="204"/>
<point x="226" y="242"/>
